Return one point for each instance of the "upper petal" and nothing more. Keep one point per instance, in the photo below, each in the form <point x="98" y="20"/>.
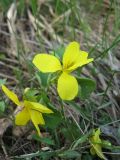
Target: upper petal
<point x="38" y="107"/>
<point x="97" y="135"/>
<point x="71" y="55"/>
<point x="47" y="63"/>
<point x="67" y="86"/>
<point x="83" y="59"/>
<point x="11" y="95"/>
<point x="37" y="118"/>
<point x="22" y="117"/>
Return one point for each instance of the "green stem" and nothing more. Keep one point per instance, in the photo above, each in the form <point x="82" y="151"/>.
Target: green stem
<point x="65" y="119"/>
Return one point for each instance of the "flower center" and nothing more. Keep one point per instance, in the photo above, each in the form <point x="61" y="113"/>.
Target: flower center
<point x="68" y="66"/>
<point x="19" y="108"/>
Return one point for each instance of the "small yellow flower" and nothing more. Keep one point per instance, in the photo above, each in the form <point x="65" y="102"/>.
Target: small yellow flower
<point x="73" y="58"/>
<point x="96" y="144"/>
<point x="28" y="110"/>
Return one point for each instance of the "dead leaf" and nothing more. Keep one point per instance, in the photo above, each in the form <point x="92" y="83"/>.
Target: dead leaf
<point x="4" y="124"/>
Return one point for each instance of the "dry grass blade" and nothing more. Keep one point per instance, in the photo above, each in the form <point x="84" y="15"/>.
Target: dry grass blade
<point x="11" y="18"/>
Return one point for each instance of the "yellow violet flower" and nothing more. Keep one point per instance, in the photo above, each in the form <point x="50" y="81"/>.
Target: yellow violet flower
<point x="96" y="144"/>
<point x="73" y="58"/>
<point x="29" y="110"/>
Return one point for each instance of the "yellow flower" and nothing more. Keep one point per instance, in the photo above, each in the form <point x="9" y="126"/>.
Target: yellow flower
<point x="28" y="110"/>
<point x="73" y="58"/>
<point x="96" y="144"/>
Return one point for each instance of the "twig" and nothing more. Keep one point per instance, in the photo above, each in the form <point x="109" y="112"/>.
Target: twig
<point x="4" y="149"/>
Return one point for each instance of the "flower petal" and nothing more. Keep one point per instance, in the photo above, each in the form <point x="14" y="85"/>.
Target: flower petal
<point x="96" y="137"/>
<point x="97" y="144"/>
<point x="67" y="86"/>
<point x="38" y="107"/>
<point x="11" y="95"/>
<point x="92" y="151"/>
<point x="47" y="63"/>
<point x="83" y="59"/>
<point x="37" y="118"/>
<point x="71" y="55"/>
<point x="98" y="150"/>
<point x="22" y="117"/>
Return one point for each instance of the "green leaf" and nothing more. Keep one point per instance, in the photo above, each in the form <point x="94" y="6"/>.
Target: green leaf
<point x="79" y="109"/>
<point x="21" y="7"/>
<point x="59" y="52"/>
<point x="47" y="140"/>
<point x="44" y="98"/>
<point x="46" y="155"/>
<point x="87" y="157"/>
<point x="106" y="144"/>
<point x="81" y="140"/>
<point x="87" y="87"/>
<point x="53" y="120"/>
<point x="60" y="7"/>
<point x="70" y="154"/>
<point x="5" y="4"/>
<point x="30" y="95"/>
<point x="2" y="56"/>
<point x="2" y="106"/>
<point x="41" y="154"/>
<point x="34" y="6"/>
<point x="71" y="131"/>
<point x="42" y="78"/>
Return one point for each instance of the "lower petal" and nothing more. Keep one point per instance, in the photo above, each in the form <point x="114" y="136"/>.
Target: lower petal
<point x="98" y="150"/>
<point x="67" y="86"/>
<point x="92" y="151"/>
<point x="38" y="107"/>
<point x="37" y="118"/>
<point x="22" y="117"/>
